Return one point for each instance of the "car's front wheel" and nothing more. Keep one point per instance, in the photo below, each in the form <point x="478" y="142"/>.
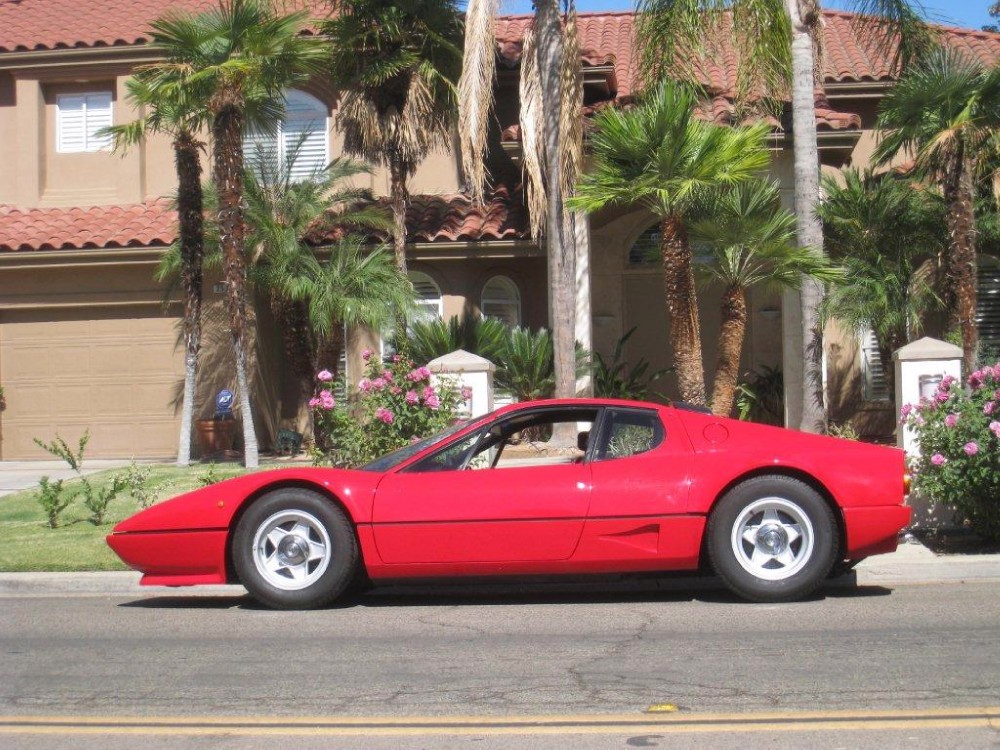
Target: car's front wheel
<point x="772" y="539"/>
<point x="294" y="549"/>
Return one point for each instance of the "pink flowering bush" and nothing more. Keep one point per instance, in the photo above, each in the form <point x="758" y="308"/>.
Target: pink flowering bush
<point x="395" y="404"/>
<point x="959" y="434"/>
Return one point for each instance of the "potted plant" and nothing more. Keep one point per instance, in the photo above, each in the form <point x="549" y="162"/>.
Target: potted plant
<point x="216" y="435"/>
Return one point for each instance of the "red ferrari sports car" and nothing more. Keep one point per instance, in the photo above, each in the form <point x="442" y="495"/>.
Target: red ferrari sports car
<point x="649" y="488"/>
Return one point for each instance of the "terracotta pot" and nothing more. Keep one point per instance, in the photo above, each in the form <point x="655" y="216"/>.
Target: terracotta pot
<point x="215" y="436"/>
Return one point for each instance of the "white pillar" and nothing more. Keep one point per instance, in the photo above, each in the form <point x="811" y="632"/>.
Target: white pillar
<point x="920" y="367"/>
<point x="470" y="371"/>
<point x="584" y="315"/>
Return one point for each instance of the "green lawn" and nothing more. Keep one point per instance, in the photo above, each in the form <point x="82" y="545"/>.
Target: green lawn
<point x="28" y="544"/>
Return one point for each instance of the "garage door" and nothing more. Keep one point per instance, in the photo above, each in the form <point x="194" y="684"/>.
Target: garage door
<point x="118" y="373"/>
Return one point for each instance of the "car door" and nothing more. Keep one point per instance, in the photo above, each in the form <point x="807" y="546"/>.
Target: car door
<point x="641" y="460"/>
<point x="453" y="508"/>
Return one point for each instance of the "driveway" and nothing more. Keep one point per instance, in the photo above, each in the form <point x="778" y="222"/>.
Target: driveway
<point x="23" y="475"/>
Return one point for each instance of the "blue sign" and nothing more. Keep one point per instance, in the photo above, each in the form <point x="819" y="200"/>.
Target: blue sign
<point x="224" y="403"/>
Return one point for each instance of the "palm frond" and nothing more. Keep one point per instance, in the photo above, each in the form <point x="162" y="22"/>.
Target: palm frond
<point x="475" y="90"/>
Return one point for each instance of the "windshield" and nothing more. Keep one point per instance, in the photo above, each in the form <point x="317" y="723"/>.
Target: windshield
<point x="391" y="460"/>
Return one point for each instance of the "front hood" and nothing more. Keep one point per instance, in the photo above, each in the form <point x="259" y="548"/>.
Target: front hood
<point x="213" y="507"/>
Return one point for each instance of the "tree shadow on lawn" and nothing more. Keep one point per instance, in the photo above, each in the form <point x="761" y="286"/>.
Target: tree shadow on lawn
<point x="678" y="589"/>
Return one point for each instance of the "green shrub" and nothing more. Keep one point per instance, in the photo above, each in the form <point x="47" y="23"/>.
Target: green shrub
<point x="97" y="501"/>
<point x="135" y="479"/>
<point x="395" y="404"/>
<point x="959" y="436"/>
<point x="615" y="379"/>
<point x="52" y="499"/>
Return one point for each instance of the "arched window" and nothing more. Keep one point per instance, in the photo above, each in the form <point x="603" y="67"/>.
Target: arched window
<point x="645" y="251"/>
<point x="300" y="140"/>
<point x="502" y="300"/>
<point x="988" y="305"/>
<point x="429" y="304"/>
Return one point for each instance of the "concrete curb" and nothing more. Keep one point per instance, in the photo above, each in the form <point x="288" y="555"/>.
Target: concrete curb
<point x="912" y="563"/>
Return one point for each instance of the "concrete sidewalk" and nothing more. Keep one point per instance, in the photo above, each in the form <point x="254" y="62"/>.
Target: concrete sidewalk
<point x="912" y="563"/>
<point x="23" y="475"/>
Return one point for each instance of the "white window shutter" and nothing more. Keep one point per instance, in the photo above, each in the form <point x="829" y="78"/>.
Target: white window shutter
<point x="304" y="132"/>
<point x="260" y="151"/>
<point x="988" y="307"/>
<point x="98" y="110"/>
<point x="71" y="123"/>
<point x="874" y="385"/>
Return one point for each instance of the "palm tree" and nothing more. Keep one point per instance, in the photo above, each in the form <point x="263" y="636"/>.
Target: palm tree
<point x="752" y="241"/>
<point x="397" y="65"/>
<point x="352" y="285"/>
<point x="236" y="60"/>
<point x="778" y="47"/>
<point x="551" y="101"/>
<point x="886" y="232"/>
<point x="168" y="113"/>
<point x="287" y="217"/>
<point x="660" y="157"/>
<point x="945" y="112"/>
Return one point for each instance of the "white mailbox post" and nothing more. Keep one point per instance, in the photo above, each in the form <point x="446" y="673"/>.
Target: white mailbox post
<point x="920" y="367"/>
<point x="472" y="372"/>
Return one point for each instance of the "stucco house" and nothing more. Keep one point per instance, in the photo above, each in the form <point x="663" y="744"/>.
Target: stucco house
<point x="88" y="340"/>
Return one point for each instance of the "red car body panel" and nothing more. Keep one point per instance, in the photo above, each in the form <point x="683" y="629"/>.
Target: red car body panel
<point x="645" y="512"/>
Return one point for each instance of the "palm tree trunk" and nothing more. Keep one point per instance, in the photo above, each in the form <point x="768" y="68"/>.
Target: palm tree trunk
<point x="227" y="133"/>
<point x="960" y="293"/>
<point x="191" y="230"/>
<point x="682" y="303"/>
<point x="809" y="230"/>
<point x="727" y="369"/>
<point x="399" y="197"/>
<point x="561" y="244"/>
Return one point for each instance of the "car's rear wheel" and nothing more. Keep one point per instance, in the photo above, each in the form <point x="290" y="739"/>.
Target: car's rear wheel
<point x="772" y="539"/>
<point x="294" y="549"/>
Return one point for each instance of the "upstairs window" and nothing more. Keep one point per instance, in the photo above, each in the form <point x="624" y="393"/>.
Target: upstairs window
<point x="300" y="140"/>
<point x="79" y="117"/>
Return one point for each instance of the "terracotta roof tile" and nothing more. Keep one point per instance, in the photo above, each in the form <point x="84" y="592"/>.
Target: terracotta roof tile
<point x="849" y="58"/>
<point x="433" y="218"/>
<point x="455" y="217"/>
<point x="430" y="218"/>
<point x="150" y="224"/>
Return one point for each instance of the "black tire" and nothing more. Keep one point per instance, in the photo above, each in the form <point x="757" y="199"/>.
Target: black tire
<point x="295" y="549"/>
<point x="792" y="542"/>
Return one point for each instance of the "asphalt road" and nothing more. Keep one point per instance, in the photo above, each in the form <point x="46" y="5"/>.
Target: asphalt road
<point x="400" y="667"/>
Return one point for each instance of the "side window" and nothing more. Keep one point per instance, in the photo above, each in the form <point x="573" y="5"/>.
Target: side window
<point x="628" y="432"/>
<point x="450" y="458"/>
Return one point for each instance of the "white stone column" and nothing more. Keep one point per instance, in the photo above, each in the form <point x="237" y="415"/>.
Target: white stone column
<point x="584" y="314"/>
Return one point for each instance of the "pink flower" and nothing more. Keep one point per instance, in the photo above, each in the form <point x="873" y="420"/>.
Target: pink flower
<point x="386" y="375"/>
<point x="905" y="411"/>
<point x="397" y="357"/>
<point x="466" y="394"/>
<point x="429" y="392"/>
<point x="395" y="390"/>
<point x="942" y="396"/>
<point x="946" y="382"/>
<point x="424" y="372"/>
<point x="988" y="407"/>
<point x="326" y="400"/>
<point x="995" y="428"/>
<point x="378" y="384"/>
<point x="384" y="415"/>
<point x="325" y="375"/>
<point x="432" y="401"/>
<point x="412" y="398"/>
<point x="938" y="460"/>
<point x="951" y="420"/>
<point x="367" y="354"/>
<point x="971" y="448"/>
<point x="365" y="385"/>
<point x="313" y="402"/>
